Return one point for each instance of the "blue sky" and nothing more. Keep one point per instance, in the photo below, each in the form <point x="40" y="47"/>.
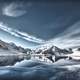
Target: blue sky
<point x="31" y="23"/>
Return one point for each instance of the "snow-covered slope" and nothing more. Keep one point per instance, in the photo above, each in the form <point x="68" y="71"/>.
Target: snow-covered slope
<point x="46" y="52"/>
<point x="50" y="52"/>
<point x="10" y="53"/>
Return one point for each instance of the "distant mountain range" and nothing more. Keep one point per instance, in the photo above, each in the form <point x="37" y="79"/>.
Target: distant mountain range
<point x="10" y="53"/>
<point x="45" y="50"/>
<point x="12" y="46"/>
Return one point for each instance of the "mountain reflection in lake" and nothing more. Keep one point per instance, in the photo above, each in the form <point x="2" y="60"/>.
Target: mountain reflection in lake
<point x="34" y="70"/>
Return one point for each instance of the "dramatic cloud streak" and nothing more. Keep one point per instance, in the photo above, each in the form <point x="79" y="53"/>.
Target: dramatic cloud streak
<point x="20" y="34"/>
<point x="69" y="38"/>
<point x="14" y="10"/>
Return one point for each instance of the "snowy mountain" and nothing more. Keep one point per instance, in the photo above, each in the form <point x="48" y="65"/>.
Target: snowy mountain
<point x="51" y="52"/>
<point x="12" y="47"/>
<point x="51" y="49"/>
<point x="10" y="53"/>
<point x="46" y="52"/>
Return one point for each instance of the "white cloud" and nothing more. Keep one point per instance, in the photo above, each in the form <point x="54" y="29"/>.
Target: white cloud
<point x="68" y="38"/>
<point x="19" y="34"/>
<point x="30" y="37"/>
<point x="14" y="10"/>
<point x="7" y="29"/>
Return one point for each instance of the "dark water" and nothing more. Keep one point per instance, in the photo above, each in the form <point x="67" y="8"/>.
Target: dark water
<point x="34" y="70"/>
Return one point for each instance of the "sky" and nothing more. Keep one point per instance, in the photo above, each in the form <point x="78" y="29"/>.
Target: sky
<point x="29" y="23"/>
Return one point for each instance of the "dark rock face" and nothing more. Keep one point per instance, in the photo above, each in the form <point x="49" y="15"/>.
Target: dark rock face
<point x="78" y="49"/>
<point x="3" y="45"/>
